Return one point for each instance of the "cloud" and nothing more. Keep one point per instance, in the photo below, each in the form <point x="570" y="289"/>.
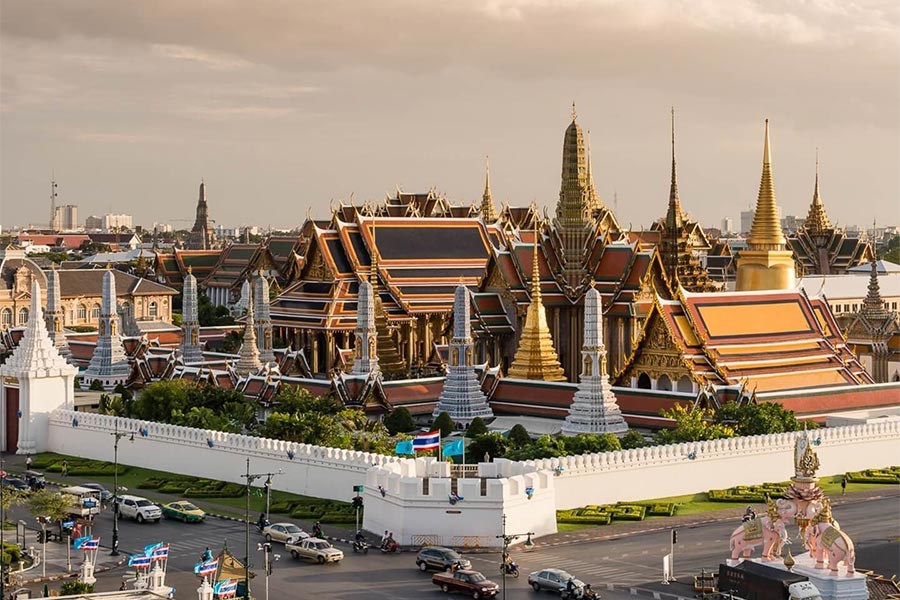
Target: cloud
<point x="213" y="61"/>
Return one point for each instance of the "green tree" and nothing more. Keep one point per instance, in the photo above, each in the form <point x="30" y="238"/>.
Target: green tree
<point x="633" y="439"/>
<point x="891" y="250"/>
<point x="52" y="505"/>
<point x="445" y="424"/>
<point x="96" y="386"/>
<point x="160" y="400"/>
<point x="294" y="400"/>
<point x="124" y="392"/>
<point x="586" y="443"/>
<point x="476" y="428"/>
<point x="493" y="445"/>
<point x="76" y="586"/>
<point x="112" y="405"/>
<point x="518" y="436"/>
<point x="399" y="420"/>
<point x="758" y="418"/>
<point x="692" y="425"/>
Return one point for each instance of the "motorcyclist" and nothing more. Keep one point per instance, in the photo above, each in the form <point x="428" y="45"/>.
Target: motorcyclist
<point x="317" y="530"/>
<point x="570" y="588"/>
<point x="384" y="539"/>
<point x="262" y="522"/>
<point x="359" y="537"/>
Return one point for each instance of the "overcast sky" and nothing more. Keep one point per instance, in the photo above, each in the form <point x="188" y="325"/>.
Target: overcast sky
<point x="283" y="105"/>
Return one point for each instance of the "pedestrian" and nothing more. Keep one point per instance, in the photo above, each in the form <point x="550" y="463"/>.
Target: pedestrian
<point x="123" y="587"/>
<point x="28" y="462"/>
<point x="64" y="468"/>
<point x="843" y="485"/>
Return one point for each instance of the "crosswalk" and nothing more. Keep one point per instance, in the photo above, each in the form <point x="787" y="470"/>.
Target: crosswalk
<point x="606" y="570"/>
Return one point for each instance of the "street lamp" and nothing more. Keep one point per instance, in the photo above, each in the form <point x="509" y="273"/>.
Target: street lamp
<point x="268" y="558"/>
<point x="117" y="435"/>
<point x="251" y="477"/>
<point x="507" y="540"/>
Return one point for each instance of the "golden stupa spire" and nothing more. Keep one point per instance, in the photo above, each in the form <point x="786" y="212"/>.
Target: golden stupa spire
<point x="817" y="220"/>
<point x="487" y="202"/>
<point x="536" y="358"/>
<point x="766" y="233"/>
<point x="373" y="261"/>
<point x="674" y="216"/>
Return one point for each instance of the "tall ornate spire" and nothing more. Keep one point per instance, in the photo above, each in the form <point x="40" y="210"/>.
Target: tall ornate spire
<point x="390" y="362"/>
<point x="191" y="351"/>
<point x="109" y="364"/>
<point x="674" y="215"/>
<point x="767" y="264"/>
<point x="594" y="202"/>
<point x="365" y="357"/>
<point x="54" y="314"/>
<point x="817" y="221"/>
<point x="573" y="212"/>
<point x="248" y="360"/>
<point x="264" y="320"/>
<point x="202" y="236"/>
<point x="766" y="233"/>
<point x="536" y="358"/>
<point x="462" y="397"/>
<point x="488" y="213"/>
<point x="594" y="408"/>
<point x="873" y="305"/>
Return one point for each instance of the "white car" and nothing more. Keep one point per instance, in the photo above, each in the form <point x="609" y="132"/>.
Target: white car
<point x="286" y="533"/>
<point x="139" y="509"/>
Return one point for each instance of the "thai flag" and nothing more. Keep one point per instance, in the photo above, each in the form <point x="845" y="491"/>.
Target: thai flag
<point x="204" y="569"/>
<point x="427" y="441"/>
<point x="225" y="589"/>
<point x="161" y="553"/>
<point x="91" y="544"/>
<point x="78" y="542"/>
<point x="149" y="548"/>
<point x="139" y="561"/>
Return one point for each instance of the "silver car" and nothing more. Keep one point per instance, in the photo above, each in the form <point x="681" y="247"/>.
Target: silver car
<point x="553" y="580"/>
<point x="286" y="533"/>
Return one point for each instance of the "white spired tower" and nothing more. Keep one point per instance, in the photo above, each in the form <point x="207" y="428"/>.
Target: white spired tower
<point x="109" y="364"/>
<point x="45" y="381"/>
<point x="54" y="315"/>
<point x="462" y="397"/>
<point x="263" y="319"/>
<point x="365" y="353"/>
<point x="594" y="409"/>
<point x="191" y="351"/>
<point x="248" y="359"/>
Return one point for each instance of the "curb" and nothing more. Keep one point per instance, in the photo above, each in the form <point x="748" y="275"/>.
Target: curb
<point x="48" y="578"/>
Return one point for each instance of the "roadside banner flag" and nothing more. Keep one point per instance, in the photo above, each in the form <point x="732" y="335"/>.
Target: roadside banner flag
<point x="78" y="542"/>
<point x="149" y="548"/>
<point x="225" y="589"/>
<point x="454" y="448"/>
<point x="427" y="441"/>
<point x="161" y="553"/>
<point x="91" y="544"/>
<point x="139" y="561"/>
<point x="404" y="447"/>
<point x="204" y="569"/>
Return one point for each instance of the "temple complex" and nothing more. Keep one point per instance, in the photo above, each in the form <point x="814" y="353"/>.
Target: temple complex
<point x="823" y="249"/>
<point x="202" y="236"/>
<point x="462" y="397"/>
<point x="768" y="263"/>
<point x="873" y="332"/>
<point x="109" y="365"/>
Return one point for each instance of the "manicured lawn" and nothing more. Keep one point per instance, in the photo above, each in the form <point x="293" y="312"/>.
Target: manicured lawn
<point x="567" y="527"/>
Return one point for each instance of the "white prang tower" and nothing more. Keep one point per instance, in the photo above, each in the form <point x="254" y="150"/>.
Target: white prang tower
<point x="45" y="380"/>
<point x="191" y="351"/>
<point x="462" y="397"/>
<point x="54" y="315"/>
<point x="263" y="319"/>
<point x="594" y="408"/>
<point x="365" y="353"/>
<point x="109" y="364"/>
<point x="248" y="359"/>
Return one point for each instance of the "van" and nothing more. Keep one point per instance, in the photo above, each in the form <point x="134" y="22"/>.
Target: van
<point x="83" y="502"/>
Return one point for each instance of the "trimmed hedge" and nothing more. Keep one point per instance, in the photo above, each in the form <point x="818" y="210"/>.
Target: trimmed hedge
<point x="660" y="509"/>
<point x="748" y="493"/>
<point x="77" y="466"/>
<point x="595" y="514"/>
<point x="11" y="554"/>
<point x="890" y="476"/>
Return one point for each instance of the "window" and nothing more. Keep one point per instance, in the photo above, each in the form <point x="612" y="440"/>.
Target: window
<point x="685" y="384"/>
<point x="154" y="310"/>
<point x="643" y="381"/>
<point x="82" y="312"/>
<point x="664" y="383"/>
<point x="95" y="312"/>
<point x="6" y="317"/>
<point x="23" y="316"/>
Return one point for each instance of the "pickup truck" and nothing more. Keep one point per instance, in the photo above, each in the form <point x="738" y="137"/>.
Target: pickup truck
<point x="139" y="509"/>
<point x="466" y="581"/>
<point x="314" y="549"/>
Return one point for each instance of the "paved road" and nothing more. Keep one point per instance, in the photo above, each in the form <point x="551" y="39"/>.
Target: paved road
<point x="628" y="561"/>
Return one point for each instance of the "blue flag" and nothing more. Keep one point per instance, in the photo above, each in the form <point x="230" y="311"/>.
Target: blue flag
<point x="78" y="542"/>
<point x="404" y="447"/>
<point x="454" y="448"/>
<point x="148" y="550"/>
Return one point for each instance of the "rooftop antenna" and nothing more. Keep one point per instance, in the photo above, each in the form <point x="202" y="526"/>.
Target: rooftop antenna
<point x="53" y="196"/>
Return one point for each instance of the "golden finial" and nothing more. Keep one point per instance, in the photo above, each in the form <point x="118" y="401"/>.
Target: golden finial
<point x="789" y="561"/>
<point x="766" y="233"/>
<point x="817" y="220"/>
<point x="574" y="113"/>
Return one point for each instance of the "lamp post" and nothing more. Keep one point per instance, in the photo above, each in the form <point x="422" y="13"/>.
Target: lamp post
<point x="117" y="435"/>
<point x="251" y="477"/>
<point x="507" y="540"/>
<point x="268" y="558"/>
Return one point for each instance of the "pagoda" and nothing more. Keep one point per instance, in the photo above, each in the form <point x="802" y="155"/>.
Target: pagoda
<point x="248" y="360"/>
<point x="202" y="236"/>
<point x="191" y="351"/>
<point x="54" y="316"/>
<point x="263" y="319"/>
<point x="365" y="356"/>
<point x="874" y="330"/>
<point x="109" y="365"/>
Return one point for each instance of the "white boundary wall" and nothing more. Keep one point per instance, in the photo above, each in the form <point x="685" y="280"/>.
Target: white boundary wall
<point x="314" y="470"/>
<point x="661" y="471"/>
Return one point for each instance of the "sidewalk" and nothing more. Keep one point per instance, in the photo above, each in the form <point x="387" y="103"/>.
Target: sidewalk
<point x="57" y="567"/>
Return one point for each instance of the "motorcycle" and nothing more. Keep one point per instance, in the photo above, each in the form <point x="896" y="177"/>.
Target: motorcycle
<point x="261" y="525"/>
<point x="361" y="546"/>
<point x="317" y="531"/>
<point x="390" y="547"/>
<point x="579" y="593"/>
<point x="509" y="569"/>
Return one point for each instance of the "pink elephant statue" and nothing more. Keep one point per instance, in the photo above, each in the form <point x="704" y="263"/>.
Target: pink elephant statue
<point x="825" y="540"/>
<point x="771" y="534"/>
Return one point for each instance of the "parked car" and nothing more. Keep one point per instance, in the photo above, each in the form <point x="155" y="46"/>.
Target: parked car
<point x="284" y="533"/>
<point x="471" y="583"/>
<point x="315" y="549"/>
<point x="139" y="509"/>
<point x="105" y="495"/>
<point x="553" y="580"/>
<point x="441" y="559"/>
<point x="15" y="483"/>
<point x="183" y="511"/>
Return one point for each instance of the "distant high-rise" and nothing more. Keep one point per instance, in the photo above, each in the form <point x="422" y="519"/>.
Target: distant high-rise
<point x="202" y="236"/>
<point x="727" y="225"/>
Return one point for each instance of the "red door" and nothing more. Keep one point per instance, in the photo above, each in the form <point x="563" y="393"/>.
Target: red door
<point x="12" y="419"/>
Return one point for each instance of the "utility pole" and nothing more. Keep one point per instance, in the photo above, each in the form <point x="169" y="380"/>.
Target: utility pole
<point x="251" y="477"/>
<point x="117" y="435"/>
<point x="507" y="540"/>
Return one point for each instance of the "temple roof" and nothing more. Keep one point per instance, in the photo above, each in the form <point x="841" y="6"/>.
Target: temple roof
<point x="231" y="268"/>
<point x="74" y="283"/>
<point x="171" y="267"/>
